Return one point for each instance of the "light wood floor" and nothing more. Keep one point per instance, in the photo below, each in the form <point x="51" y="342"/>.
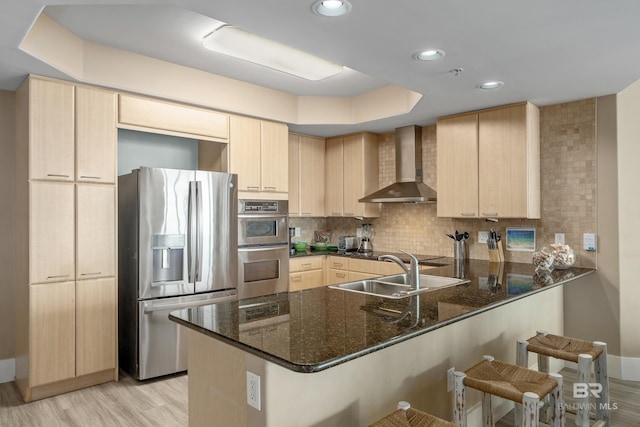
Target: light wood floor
<point x="163" y="403"/>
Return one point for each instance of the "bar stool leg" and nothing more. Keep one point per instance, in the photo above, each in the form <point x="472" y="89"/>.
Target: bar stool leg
<point x="487" y="410"/>
<point x="584" y="374"/>
<point x="530" y="403"/>
<point x="602" y="402"/>
<point x="459" y="399"/>
<point x="556" y="403"/>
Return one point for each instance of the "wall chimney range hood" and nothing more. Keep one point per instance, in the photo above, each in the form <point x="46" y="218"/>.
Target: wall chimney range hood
<point x="408" y="187"/>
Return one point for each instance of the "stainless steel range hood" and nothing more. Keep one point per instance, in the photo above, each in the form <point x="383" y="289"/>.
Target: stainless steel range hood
<point x="408" y="187"/>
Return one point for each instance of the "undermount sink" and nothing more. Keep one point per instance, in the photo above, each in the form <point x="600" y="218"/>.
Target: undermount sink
<point x="395" y="286"/>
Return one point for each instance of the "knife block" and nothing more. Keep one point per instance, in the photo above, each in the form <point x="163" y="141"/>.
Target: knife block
<point x="496" y="255"/>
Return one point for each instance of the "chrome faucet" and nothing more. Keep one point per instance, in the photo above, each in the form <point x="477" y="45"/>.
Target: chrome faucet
<point x="413" y="271"/>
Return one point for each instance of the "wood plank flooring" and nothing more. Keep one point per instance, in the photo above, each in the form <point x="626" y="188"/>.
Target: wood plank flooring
<point x="163" y="403"/>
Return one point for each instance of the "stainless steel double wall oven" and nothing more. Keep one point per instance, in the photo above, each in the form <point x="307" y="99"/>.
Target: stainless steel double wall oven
<point x="263" y="247"/>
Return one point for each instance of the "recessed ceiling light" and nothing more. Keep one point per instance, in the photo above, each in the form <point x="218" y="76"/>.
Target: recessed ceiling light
<point x="494" y="84"/>
<point x="241" y="44"/>
<point x="429" y="55"/>
<point x="331" y="7"/>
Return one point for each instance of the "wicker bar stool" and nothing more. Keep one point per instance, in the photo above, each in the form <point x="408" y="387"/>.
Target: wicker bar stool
<point x="523" y="386"/>
<point x="406" y="416"/>
<point x="584" y="353"/>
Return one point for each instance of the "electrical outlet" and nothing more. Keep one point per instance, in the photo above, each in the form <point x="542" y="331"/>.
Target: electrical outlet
<point x="450" y="379"/>
<point x="297" y="232"/>
<point x="483" y="236"/>
<point x="559" y="238"/>
<point x="253" y="390"/>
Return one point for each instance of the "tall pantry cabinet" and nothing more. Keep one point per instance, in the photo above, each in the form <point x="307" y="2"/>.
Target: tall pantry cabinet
<point x="66" y="237"/>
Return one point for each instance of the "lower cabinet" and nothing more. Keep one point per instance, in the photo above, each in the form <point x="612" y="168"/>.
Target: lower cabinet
<point x="306" y="272"/>
<point x="52" y="332"/>
<point x="342" y="269"/>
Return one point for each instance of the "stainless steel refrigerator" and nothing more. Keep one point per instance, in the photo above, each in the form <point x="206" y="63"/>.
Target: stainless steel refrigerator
<point x="178" y="247"/>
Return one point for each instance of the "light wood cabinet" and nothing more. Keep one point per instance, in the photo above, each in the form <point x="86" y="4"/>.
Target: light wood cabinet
<point x="96" y="334"/>
<point x="66" y="235"/>
<point x="306" y="170"/>
<point x="51" y="232"/>
<point x="96" y="135"/>
<point x="52" y="339"/>
<point x="489" y="163"/>
<point x="306" y="272"/>
<point x="351" y="166"/>
<point x="50" y="121"/>
<point x="343" y="269"/>
<point x="259" y="153"/>
<point x="153" y="115"/>
<point x="96" y="228"/>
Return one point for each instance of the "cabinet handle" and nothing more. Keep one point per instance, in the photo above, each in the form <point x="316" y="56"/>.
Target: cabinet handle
<point x="490" y="213"/>
<point x="296" y="278"/>
<point x="91" y="274"/>
<point x="336" y="213"/>
<point x="349" y="214"/>
<point x="58" y="175"/>
<point x="270" y="188"/>
<point x="252" y="188"/>
<point x="306" y="213"/>
<point x="90" y="177"/>
<point x="60" y="276"/>
<point x="337" y="264"/>
<point x="340" y="274"/>
<point x="468" y="214"/>
<point x="305" y="265"/>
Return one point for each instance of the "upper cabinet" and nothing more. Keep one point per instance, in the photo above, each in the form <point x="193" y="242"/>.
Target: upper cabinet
<point x="96" y="135"/>
<point x="259" y="154"/>
<point x="306" y="170"/>
<point x="152" y="115"/>
<point x="351" y="172"/>
<point x="51" y="130"/>
<point x="489" y="163"/>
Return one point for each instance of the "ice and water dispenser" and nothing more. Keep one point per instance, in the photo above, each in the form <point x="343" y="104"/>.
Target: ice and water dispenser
<point x="168" y="257"/>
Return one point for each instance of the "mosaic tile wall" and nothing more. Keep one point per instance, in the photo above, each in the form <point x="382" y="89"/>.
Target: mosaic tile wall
<point x="568" y="188"/>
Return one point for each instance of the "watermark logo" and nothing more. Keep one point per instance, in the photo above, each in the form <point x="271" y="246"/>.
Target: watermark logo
<point x="582" y="390"/>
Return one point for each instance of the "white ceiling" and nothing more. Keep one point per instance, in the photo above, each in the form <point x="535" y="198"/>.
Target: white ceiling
<point x="546" y="51"/>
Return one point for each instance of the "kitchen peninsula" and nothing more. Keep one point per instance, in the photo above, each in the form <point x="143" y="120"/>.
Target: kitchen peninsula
<point x="328" y="357"/>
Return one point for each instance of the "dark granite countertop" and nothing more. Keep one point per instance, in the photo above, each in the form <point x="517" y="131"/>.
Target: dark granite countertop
<point x="315" y="329"/>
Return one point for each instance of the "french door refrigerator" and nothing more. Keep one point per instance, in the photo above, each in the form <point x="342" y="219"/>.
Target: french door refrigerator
<point x="178" y="247"/>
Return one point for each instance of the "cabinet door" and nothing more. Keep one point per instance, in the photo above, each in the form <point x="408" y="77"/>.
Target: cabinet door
<point x="337" y="276"/>
<point x="275" y="157"/>
<point x="51" y="232"/>
<point x="334" y="177"/>
<point x="244" y="152"/>
<point x="355" y="275"/>
<point x="311" y="180"/>
<point x="458" y="166"/>
<point x="96" y="311"/>
<point x="51" y="130"/>
<point x="95" y="231"/>
<point x="96" y="135"/>
<point x="360" y="163"/>
<point x="294" y="175"/>
<point x="502" y="167"/>
<point x="52" y="333"/>
<point x="305" y="280"/>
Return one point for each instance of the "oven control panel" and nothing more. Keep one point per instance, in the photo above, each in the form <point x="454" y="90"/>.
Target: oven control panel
<point x="264" y="206"/>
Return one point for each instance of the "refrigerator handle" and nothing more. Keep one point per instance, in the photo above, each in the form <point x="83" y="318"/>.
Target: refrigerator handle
<point x="200" y="235"/>
<point x="192" y="232"/>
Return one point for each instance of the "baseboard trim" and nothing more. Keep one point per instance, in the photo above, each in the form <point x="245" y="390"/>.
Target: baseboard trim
<point x="624" y="368"/>
<point x="7" y="370"/>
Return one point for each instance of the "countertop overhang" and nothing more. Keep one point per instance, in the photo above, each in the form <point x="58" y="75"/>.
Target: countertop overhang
<point x="312" y="330"/>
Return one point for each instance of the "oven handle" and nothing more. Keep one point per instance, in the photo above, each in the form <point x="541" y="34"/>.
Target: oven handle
<point x="283" y="246"/>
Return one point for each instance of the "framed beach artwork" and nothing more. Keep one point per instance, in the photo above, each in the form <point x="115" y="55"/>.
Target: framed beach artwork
<point x="521" y="239"/>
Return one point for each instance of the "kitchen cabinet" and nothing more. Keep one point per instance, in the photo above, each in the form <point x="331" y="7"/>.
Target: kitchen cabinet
<point x="51" y="232"/>
<point x="96" y="135"/>
<point x="65" y="245"/>
<point x="259" y="153"/>
<point x="342" y="269"/>
<point x="489" y="163"/>
<point x="52" y="339"/>
<point x="306" y="167"/>
<point x="50" y="129"/>
<point x="156" y="116"/>
<point x="306" y="272"/>
<point x="351" y="172"/>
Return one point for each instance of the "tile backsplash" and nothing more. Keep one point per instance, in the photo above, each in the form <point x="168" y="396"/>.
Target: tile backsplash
<point x="568" y="195"/>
